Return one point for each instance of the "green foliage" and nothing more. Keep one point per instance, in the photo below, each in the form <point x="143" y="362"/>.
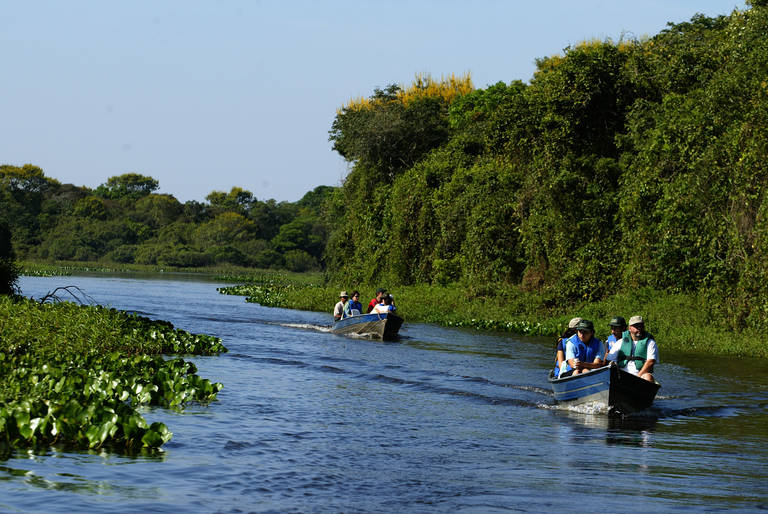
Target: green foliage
<point x="683" y="323"/>
<point x="76" y="238"/>
<point x="391" y="135"/>
<point x="316" y="199"/>
<point x="237" y="200"/>
<point x="620" y="165"/>
<point x="75" y="375"/>
<point x="90" y="207"/>
<point x="299" y="260"/>
<point x="27" y="178"/>
<point x="268" y="293"/>
<point x="9" y="271"/>
<point x="122" y="254"/>
<point x="183" y="257"/>
<point x="157" y="211"/>
<point x="124" y="222"/>
<point x="129" y="185"/>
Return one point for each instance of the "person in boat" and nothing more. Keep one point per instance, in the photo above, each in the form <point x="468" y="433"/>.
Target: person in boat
<point x="338" y="310"/>
<point x="636" y="352"/>
<point x="380" y="292"/>
<point x="385" y="306"/>
<point x="617" y="325"/>
<point x="583" y="351"/>
<point x="353" y="307"/>
<point x="560" y="350"/>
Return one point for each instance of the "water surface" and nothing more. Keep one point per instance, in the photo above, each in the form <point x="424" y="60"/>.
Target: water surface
<point x="443" y="420"/>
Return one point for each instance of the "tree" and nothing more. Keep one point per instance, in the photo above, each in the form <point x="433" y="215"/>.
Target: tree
<point x="238" y="200"/>
<point x="157" y="210"/>
<point x="90" y="207"/>
<point x="315" y="200"/>
<point x="27" y="178"/>
<point x="390" y="136"/>
<point x="227" y="228"/>
<point x="303" y="233"/>
<point x="128" y="185"/>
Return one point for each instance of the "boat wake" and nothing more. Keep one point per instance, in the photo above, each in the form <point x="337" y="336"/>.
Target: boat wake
<point x="585" y="408"/>
<point x="708" y="411"/>
<point x="306" y="326"/>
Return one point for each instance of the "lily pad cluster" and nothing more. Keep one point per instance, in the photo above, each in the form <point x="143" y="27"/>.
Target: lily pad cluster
<point x="85" y="392"/>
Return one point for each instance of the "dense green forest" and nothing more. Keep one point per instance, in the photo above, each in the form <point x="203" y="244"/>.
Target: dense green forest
<point x="125" y="221"/>
<point x="620" y="166"/>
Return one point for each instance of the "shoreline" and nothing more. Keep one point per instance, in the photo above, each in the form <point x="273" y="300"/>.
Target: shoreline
<point x="682" y="323"/>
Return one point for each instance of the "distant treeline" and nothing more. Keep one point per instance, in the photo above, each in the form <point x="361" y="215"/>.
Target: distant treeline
<point x="637" y="164"/>
<point x="125" y="221"/>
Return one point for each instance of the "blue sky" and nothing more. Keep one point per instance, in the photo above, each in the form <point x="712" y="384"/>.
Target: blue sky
<point x="207" y="95"/>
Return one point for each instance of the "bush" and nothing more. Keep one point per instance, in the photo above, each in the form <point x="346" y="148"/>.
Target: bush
<point x="227" y="254"/>
<point x="299" y="260"/>
<point x="184" y="257"/>
<point x="122" y="254"/>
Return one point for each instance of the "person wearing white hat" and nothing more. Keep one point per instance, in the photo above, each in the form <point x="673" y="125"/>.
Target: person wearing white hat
<point x="338" y="310"/>
<point x="636" y="352"/>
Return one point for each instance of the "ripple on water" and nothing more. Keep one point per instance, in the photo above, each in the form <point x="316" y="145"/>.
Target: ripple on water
<point x="444" y="420"/>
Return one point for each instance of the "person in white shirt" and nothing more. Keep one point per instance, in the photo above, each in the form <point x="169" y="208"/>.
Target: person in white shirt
<point x="636" y="352"/>
<point x="386" y="305"/>
<point x="338" y="309"/>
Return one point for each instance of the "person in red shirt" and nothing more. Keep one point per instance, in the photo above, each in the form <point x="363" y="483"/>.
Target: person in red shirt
<point x="375" y="301"/>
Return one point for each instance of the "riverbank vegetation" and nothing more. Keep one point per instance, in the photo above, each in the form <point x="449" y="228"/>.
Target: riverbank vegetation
<point x="620" y="168"/>
<point x="75" y="375"/>
<point x="226" y="272"/>
<point x="683" y="323"/>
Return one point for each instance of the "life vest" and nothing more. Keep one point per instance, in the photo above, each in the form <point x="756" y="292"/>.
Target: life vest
<point x="641" y="350"/>
<point x="352" y="308"/>
<point x="584" y="351"/>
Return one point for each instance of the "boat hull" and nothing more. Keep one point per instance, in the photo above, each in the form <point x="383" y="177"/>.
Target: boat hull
<point x="381" y="326"/>
<point x="610" y="386"/>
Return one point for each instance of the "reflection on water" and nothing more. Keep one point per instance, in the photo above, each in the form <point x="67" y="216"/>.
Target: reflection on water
<point x="441" y="420"/>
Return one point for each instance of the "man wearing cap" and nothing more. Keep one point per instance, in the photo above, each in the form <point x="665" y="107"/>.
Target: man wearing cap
<point x="583" y="351"/>
<point x="338" y="310"/>
<point x="617" y="325"/>
<point x="374" y="302"/>
<point x="636" y="352"/>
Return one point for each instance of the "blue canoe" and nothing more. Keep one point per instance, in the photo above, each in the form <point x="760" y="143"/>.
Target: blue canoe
<point x="382" y="326"/>
<point x="618" y="390"/>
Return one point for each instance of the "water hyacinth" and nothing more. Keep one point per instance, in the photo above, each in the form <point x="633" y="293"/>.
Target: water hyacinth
<point x="518" y="327"/>
<point x="75" y="375"/>
<point x="268" y="295"/>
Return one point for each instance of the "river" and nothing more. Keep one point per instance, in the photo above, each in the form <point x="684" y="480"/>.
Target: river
<point x="443" y="420"/>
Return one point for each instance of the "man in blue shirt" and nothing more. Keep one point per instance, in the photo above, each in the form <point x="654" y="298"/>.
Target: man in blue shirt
<point x="583" y="351"/>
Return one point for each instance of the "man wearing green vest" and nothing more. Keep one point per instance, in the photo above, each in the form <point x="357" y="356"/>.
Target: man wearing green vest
<point x="636" y="352"/>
